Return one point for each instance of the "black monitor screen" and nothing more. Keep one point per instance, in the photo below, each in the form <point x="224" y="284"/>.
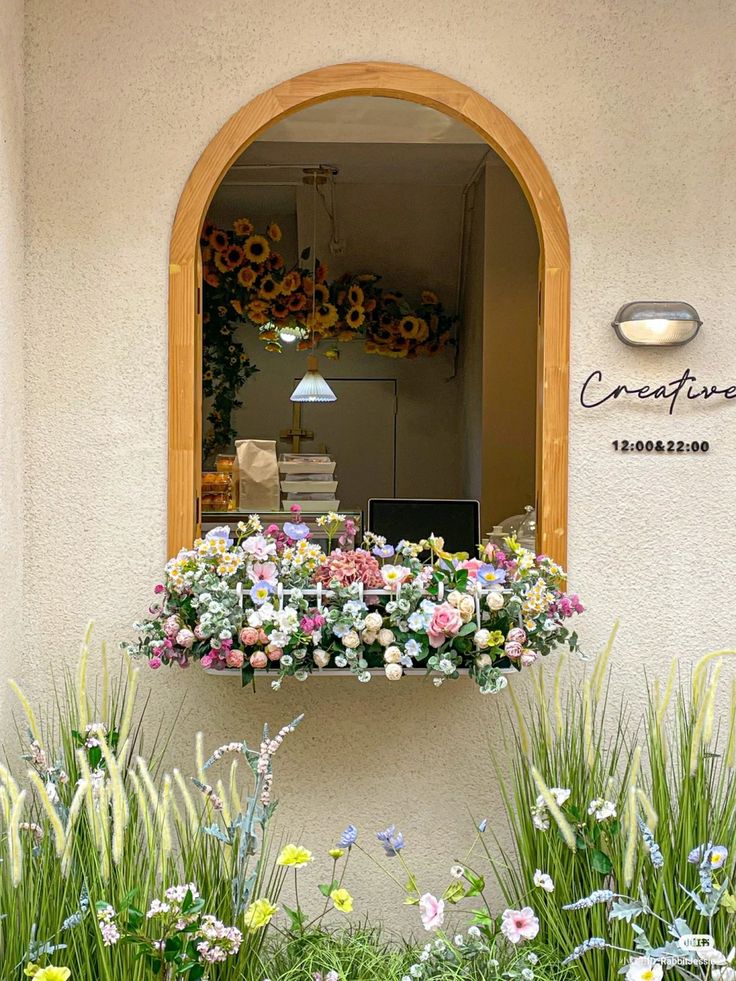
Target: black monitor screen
<point x="458" y="522"/>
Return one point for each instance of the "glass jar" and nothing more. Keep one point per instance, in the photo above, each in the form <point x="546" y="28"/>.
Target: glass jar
<point x="227" y="463"/>
<point x="216" y="491"/>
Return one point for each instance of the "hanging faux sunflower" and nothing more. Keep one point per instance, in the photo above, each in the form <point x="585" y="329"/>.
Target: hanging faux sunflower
<point x="409" y="328"/>
<point x="326" y="316"/>
<point x="291" y="282"/>
<point x="355" y="317"/>
<point x="258" y="312"/>
<point x="430" y="298"/>
<point x="257" y="248"/>
<point x="279" y="310"/>
<point x="233" y="256"/>
<point x="212" y="279"/>
<point x="221" y="262"/>
<point x="297" y="302"/>
<point x="246" y="276"/>
<point x="243" y="226"/>
<point x="237" y="307"/>
<point x="274" y="232"/>
<point x="423" y="331"/>
<point x="219" y="240"/>
<point x="269" y="288"/>
<point x="321" y="294"/>
<point x="321" y="272"/>
<point x="275" y="260"/>
<point x="355" y="296"/>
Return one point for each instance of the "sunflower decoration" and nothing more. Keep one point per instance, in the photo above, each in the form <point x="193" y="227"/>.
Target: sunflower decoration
<point x="244" y="276"/>
<point x="256" y="248"/>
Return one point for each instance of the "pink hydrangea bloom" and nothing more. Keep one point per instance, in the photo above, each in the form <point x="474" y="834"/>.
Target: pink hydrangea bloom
<point x="349" y="567"/>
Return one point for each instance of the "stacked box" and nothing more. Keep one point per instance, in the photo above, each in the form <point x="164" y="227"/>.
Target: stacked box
<point x="308" y="479"/>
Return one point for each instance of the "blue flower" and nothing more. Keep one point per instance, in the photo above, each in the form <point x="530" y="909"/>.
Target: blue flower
<point x="348" y="837"/>
<point x="489" y="575"/>
<point x="222" y="531"/>
<point x="391" y="840"/>
<point x="384" y="551"/>
<point x="261" y="591"/>
<point x="413" y="648"/>
<point x="296" y="530"/>
<point x="417" y="622"/>
<point x="340" y="629"/>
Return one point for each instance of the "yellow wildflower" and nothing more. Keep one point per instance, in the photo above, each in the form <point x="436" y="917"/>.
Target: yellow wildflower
<point x="259" y="914"/>
<point x="49" y="973"/>
<point x="342" y="900"/>
<point x="336" y="853"/>
<point x="293" y="856"/>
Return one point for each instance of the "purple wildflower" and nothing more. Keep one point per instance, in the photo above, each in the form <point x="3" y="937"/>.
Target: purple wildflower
<point x="348" y="837"/>
<point x="391" y="840"/>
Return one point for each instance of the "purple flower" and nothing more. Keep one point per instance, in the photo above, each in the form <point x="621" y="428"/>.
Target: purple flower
<point x="348" y="837"/>
<point x="261" y="591"/>
<point x="391" y="840"/>
<point x="384" y="551"/>
<point x="490" y="575"/>
<point x="296" y="530"/>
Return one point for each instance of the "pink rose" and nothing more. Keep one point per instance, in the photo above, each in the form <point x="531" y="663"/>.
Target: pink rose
<point x="274" y="653"/>
<point x="154" y="662"/>
<point x="446" y="622"/>
<point x="258" y="660"/>
<point x="528" y="657"/>
<point x="519" y="924"/>
<point x="248" y="636"/>
<point x="514" y="651"/>
<point x="262" y="636"/>
<point x="159" y="588"/>
<point x="432" y="911"/>
<point x="516" y="635"/>
<point x="207" y="660"/>
<point x="199" y="632"/>
<point x="472" y="565"/>
<point x="307" y="625"/>
<point x="234" y="659"/>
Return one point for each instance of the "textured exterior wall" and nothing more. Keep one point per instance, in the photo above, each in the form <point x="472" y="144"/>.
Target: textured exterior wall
<point x="630" y="106"/>
<point x="11" y="330"/>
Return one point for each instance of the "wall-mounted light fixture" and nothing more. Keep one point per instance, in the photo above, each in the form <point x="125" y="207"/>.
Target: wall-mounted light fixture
<point x="656" y="323"/>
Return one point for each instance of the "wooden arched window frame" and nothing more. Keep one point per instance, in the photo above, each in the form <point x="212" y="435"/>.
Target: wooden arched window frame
<point x="185" y="328"/>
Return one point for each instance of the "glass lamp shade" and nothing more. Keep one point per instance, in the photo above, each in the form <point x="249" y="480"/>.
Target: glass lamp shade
<point x="313" y="387"/>
<point x="657" y="323"/>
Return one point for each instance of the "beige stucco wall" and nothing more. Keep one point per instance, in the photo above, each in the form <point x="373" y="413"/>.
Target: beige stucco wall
<point x="631" y="107"/>
<point x="11" y="329"/>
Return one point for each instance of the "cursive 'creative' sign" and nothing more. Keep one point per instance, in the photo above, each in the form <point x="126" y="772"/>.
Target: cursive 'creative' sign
<point x="595" y="392"/>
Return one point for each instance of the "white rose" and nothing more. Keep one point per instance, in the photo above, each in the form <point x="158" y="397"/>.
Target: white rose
<point x="495" y="600"/>
<point x="369" y="636"/>
<point x="481" y="638"/>
<point x="321" y="658"/>
<point x="385" y="637"/>
<point x="483" y="660"/>
<point x="373" y="621"/>
<point x="466" y="607"/>
<point x="454" y="598"/>
<point x="392" y="655"/>
<point x="351" y="640"/>
<point x="393" y="671"/>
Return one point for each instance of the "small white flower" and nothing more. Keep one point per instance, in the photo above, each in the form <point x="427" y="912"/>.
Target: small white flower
<point x="602" y="809"/>
<point x="373" y="622"/>
<point x="543" y="881"/>
<point x="644" y="969"/>
<point x="351" y="640"/>
<point x="394" y="672"/>
<point x="494" y="600"/>
<point x="385" y="637"/>
<point x="457" y="871"/>
<point x="481" y="637"/>
<point x="392" y="654"/>
<point x="459" y="940"/>
<point x="473" y="931"/>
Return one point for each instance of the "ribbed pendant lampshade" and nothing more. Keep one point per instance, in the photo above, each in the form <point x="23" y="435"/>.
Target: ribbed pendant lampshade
<point x="313" y="387"/>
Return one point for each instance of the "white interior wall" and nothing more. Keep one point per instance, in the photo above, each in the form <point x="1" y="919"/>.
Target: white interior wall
<point x="11" y="333"/>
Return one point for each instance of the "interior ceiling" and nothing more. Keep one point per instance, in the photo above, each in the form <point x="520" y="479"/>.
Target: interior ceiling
<point x="369" y="141"/>
<point x="360" y="163"/>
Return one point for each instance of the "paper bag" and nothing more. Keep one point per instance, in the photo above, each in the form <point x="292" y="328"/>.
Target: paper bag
<point x="258" y="475"/>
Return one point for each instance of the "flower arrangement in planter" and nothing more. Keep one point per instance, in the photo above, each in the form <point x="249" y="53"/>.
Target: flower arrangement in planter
<point x="273" y="601"/>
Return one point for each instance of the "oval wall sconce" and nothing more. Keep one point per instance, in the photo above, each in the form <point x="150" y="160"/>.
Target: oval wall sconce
<point x="657" y="323"/>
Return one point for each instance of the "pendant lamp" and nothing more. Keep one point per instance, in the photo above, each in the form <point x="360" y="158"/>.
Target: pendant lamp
<point x="313" y="387"/>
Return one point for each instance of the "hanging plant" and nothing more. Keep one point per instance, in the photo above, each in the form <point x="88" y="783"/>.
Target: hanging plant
<point x="246" y="283"/>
